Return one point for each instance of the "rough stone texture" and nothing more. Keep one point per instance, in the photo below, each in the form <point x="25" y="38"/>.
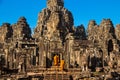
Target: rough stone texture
<point x="117" y="31"/>
<point x="55" y="4"/>
<point x="32" y="56"/>
<point x="80" y="33"/>
<point x="104" y="38"/>
<point x="21" y="29"/>
<point x="5" y="32"/>
<point x="53" y="18"/>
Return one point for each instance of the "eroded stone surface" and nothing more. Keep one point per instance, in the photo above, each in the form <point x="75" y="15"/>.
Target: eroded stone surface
<point x="21" y="29"/>
<point x="54" y="18"/>
<point x="94" y="50"/>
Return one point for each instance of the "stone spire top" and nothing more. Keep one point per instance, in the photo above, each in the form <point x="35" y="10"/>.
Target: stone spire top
<point x="55" y="3"/>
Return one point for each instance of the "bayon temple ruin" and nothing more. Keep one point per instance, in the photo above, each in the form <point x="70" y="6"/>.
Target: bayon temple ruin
<point x="57" y="50"/>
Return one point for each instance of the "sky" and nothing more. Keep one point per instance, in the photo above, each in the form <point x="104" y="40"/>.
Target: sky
<point x="83" y="10"/>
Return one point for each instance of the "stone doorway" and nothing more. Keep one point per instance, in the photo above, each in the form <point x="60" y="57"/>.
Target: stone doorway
<point x="52" y="57"/>
<point x="110" y="46"/>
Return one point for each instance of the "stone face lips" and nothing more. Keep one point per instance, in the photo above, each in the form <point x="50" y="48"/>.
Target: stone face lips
<point x="53" y="18"/>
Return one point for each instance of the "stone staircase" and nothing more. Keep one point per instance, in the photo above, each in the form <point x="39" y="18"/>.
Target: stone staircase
<point x="56" y="77"/>
<point x="54" y="73"/>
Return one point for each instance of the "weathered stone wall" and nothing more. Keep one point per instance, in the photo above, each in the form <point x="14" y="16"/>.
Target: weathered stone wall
<point x="55" y="18"/>
<point x="117" y="30"/>
<point x="55" y="34"/>
<point x="21" y="29"/>
<point x="5" y="32"/>
<point x="80" y="33"/>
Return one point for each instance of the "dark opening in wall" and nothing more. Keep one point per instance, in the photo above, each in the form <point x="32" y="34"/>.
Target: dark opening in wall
<point x="110" y="46"/>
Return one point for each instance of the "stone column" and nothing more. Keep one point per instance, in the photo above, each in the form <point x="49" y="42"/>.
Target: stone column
<point x="44" y="59"/>
<point x="37" y="60"/>
<point x="67" y="55"/>
<point x="6" y="56"/>
<point x="35" y="56"/>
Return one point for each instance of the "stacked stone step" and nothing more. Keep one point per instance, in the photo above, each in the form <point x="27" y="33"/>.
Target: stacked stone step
<point x="56" y="77"/>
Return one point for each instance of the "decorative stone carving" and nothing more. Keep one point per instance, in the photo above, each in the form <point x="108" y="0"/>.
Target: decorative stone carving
<point x="50" y="20"/>
<point x="21" y="29"/>
<point x="55" y="35"/>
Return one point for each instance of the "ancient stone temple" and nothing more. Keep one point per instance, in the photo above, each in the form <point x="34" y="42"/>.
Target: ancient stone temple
<point x="57" y="50"/>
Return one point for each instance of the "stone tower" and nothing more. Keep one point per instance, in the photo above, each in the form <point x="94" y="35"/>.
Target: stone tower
<point x="5" y="32"/>
<point x="21" y="29"/>
<point x="54" y="19"/>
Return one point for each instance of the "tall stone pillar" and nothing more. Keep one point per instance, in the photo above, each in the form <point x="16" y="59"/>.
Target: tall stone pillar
<point x="6" y="56"/>
<point x="69" y="42"/>
<point x="44" y="59"/>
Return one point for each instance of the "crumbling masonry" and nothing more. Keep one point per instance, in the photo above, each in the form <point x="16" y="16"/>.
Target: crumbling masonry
<point x="26" y="55"/>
